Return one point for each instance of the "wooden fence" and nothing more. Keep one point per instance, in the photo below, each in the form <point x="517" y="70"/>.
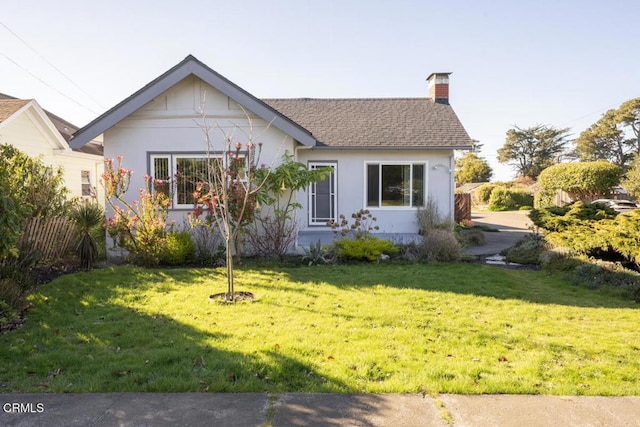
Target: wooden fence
<point x="55" y="237"/>
<point x="462" y="202"/>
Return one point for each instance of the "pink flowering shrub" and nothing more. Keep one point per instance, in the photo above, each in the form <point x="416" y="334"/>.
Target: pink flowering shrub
<point x="139" y="227"/>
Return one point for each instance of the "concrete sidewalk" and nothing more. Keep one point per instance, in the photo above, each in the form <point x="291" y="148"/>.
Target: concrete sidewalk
<point x="314" y="409"/>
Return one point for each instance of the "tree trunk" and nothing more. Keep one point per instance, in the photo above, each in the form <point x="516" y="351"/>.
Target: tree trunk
<point x="230" y="296"/>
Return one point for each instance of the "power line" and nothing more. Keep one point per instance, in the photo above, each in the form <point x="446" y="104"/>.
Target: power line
<point x="47" y="84"/>
<point x="51" y="65"/>
<point x="587" y="115"/>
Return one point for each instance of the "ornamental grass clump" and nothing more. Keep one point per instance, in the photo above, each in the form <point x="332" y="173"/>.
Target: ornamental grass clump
<point x="439" y="246"/>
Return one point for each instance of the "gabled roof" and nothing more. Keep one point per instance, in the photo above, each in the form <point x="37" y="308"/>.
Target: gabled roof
<point x="8" y="107"/>
<point x="40" y="120"/>
<point x="65" y="128"/>
<point x="187" y="67"/>
<point x="416" y="123"/>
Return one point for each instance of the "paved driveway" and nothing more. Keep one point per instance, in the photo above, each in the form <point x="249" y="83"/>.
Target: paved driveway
<point x="513" y="226"/>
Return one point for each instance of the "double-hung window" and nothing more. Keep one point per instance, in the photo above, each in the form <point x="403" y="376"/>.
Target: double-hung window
<point x="179" y="175"/>
<point x="395" y="184"/>
<point x="85" y="184"/>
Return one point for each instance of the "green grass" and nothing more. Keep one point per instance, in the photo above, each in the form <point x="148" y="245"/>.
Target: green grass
<point x="441" y="328"/>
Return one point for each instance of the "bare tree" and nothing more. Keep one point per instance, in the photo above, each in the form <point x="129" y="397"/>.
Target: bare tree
<point x="227" y="193"/>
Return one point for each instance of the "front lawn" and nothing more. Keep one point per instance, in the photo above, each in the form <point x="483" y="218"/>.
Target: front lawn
<point x="440" y="328"/>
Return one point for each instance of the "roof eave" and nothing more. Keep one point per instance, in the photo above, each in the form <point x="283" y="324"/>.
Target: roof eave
<point x="189" y="66"/>
<point x="398" y="147"/>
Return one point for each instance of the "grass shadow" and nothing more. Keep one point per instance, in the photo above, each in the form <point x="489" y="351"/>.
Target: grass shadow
<point x="83" y="335"/>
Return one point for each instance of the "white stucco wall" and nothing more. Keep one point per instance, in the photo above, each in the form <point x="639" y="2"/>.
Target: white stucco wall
<point x="351" y="184"/>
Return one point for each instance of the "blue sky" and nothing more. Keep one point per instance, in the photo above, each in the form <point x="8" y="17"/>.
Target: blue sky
<point x="561" y="63"/>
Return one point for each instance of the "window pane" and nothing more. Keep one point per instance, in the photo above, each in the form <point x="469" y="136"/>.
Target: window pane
<point x="418" y="185"/>
<point x="189" y="171"/>
<point x="161" y="168"/>
<point x="161" y="175"/>
<point x="85" y="179"/>
<point x="373" y="183"/>
<point x="396" y="185"/>
<point x="323" y="197"/>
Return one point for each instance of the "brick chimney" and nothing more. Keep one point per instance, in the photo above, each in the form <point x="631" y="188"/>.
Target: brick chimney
<point x="439" y="87"/>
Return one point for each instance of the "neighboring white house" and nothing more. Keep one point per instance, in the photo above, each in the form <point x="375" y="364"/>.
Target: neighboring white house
<point x="39" y="134"/>
<point x="388" y="155"/>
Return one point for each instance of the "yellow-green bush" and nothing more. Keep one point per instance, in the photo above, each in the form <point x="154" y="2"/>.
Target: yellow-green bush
<point x="509" y="199"/>
<point x="365" y="248"/>
<point x="179" y="249"/>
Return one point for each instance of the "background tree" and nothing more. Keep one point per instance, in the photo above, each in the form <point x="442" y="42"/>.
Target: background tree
<point x="629" y="115"/>
<point x="533" y="149"/>
<point x="472" y="168"/>
<point x="604" y="140"/>
<point x="631" y="181"/>
<point x="476" y="146"/>
<point x="614" y="137"/>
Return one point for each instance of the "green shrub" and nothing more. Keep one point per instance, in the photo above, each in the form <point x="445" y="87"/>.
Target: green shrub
<point x="527" y="250"/>
<point x="179" y="249"/>
<point x="440" y="246"/>
<point x="554" y="262"/>
<point x="7" y="313"/>
<point x="483" y="193"/>
<point x="509" y="199"/>
<point x="581" y="180"/>
<point x="28" y="189"/>
<point x="16" y="280"/>
<point x="607" y="275"/>
<point x="556" y="218"/>
<point x="363" y="248"/>
<point x="470" y="236"/>
<point x="623" y="234"/>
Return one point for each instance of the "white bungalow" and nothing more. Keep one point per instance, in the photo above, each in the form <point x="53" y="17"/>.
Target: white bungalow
<point x="387" y="155"/>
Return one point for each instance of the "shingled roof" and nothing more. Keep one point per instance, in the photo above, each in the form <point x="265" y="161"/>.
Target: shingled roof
<point x="416" y="123"/>
<point x="8" y="105"/>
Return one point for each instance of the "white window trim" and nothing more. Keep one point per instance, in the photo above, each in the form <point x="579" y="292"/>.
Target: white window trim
<point x="86" y="172"/>
<point x="173" y="160"/>
<point x="316" y="164"/>
<point x="396" y="163"/>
